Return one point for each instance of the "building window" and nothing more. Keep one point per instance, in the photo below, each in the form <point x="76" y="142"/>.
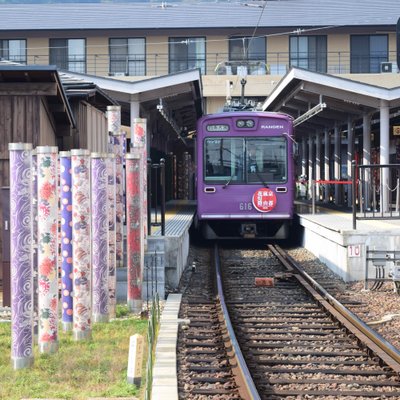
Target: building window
<point x="367" y="53"/>
<point x="187" y="53"/>
<point x="246" y="56"/>
<point x="13" y="50"/>
<point x="128" y="56"/>
<point x="308" y="52"/>
<point x="69" y="54"/>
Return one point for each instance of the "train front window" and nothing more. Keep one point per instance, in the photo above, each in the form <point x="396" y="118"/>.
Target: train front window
<point x="224" y="160"/>
<point x="266" y="160"/>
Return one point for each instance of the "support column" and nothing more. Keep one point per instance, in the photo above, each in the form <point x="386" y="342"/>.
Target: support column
<point x="304" y="156"/>
<point x="384" y="154"/>
<point x="336" y="158"/>
<point x="21" y="255"/>
<point x="66" y="240"/>
<point x="47" y="181"/>
<point x="366" y="176"/>
<point x="100" y="253"/>
<point x="350" y="156"/>
<point x="310" y="164"/>
<point x="327" y="148"/>
<point x="318" y="163"/>
<point x="81" y="239"/>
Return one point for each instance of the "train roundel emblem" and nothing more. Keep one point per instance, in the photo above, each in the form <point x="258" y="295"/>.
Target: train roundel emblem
<point x="264" y="200"/>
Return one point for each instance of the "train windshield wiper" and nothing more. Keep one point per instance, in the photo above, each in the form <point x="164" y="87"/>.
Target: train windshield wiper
<point x="229" y="180"/>
<point x="261" y="179"/>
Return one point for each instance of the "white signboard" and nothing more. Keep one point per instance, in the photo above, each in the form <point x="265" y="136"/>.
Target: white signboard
<point x="354" y="250"/>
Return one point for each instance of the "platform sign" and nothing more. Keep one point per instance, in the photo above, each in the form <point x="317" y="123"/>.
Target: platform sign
<point x="354" y="250"/>
<point x="264" y="200"/>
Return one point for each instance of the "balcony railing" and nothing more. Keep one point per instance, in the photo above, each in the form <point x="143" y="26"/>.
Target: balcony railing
<point x="276" y="63"/>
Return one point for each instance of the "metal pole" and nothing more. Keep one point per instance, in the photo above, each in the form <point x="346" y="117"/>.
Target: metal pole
<point x="313" y="196"/>
<point x="162" y="181"/>
<point x="353" y="193"/>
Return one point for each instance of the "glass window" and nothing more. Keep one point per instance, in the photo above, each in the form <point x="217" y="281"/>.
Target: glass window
<point x="308" y="52"/>
<point x="367" y="53"/>
<point x="245" y="160"/>
<point x="249" y="53"/>
<point x="187" y="53"/>
<point x="128" y="56"/>
<point x="13" y="50"/>
<point x="69" y="54"/>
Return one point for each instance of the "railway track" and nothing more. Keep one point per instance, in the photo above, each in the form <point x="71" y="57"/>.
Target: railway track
<point x="296" y="339"/>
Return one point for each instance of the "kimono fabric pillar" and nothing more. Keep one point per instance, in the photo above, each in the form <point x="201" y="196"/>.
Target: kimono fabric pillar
<point x="66" y="239"/>
<point x="100" y="254"/>
<point x="112" y="277"/>
<point x="134" y="232"/>
<point x="81" y="238"/>
<point x="47" y="238"/>
<point x="117" y="147"/>
<point x="21" y="255"/>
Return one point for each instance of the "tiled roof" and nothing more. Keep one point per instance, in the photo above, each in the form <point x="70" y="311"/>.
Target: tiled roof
<point x="223" y="14"/>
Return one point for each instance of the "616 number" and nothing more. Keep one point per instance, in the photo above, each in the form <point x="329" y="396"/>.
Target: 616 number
<point x="245" y="206"/>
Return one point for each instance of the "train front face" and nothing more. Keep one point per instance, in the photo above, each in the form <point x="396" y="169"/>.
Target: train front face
<point x="245" y="175"/>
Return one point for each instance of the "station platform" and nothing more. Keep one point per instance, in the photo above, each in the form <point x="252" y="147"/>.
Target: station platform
<point x="329" y="235"/>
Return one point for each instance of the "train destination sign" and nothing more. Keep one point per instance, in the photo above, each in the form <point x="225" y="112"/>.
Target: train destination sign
<point x="217" y="128"/>
<point x="264" y="200"/>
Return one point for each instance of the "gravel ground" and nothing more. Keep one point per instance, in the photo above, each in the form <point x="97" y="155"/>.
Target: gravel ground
<point x="381" y="309"/>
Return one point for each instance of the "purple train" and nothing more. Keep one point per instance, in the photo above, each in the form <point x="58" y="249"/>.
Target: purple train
<point x="245" y="175"/>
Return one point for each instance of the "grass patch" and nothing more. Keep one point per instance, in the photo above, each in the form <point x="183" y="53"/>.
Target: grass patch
<point x="94" y="368"/>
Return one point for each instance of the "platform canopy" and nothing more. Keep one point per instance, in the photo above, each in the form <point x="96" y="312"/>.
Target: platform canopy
<point x="319" y="100"/>
<point x="179" y="95"/>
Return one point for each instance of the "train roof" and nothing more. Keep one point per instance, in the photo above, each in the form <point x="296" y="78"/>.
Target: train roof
<point x="246" y="114"/>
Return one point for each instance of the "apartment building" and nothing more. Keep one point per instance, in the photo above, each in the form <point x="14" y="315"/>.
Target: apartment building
<point x="242" y="48"/>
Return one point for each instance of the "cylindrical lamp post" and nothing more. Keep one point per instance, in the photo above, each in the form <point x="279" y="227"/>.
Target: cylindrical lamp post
<point x="81" y="239"/>
<point x="21" y="255"/>
<point x="66" y="239"/>
<point x="47" y="182"/>
<point x="100" y="227"/>
<point x="112" y="277"/>
<point x="134" y="232"/>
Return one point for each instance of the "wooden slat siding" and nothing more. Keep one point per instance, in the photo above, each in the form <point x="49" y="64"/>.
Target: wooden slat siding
<point x="5" y="126"/>
<point x="177" y="224"/>
<point x="96" y="129"/>
<point x="47" y="135"/>
<point x="81" y="118"/>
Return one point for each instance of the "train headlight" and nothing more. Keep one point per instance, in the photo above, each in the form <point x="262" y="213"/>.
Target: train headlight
<point x="250" y="123"/>
<point x="240" y="123"/>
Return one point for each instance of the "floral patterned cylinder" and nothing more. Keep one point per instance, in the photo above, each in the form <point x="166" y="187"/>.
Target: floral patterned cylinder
<point x="81" y="239"/>
<point x="100" y="256"/>
<point x="114" y="119"/>
<point x="119" y="196"/>
<point x="66" y="239"/>
<point x="21" y="255"/>
<point x="139" y="143"/>
<point x="112" y="277"/>
<point x="47" y="239"/>
<point x="134" y="231"/>
<point x="35" y="244"/>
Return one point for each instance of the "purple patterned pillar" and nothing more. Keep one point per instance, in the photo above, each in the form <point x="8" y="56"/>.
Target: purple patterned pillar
<point x="21" y="255"/>
<point x="35" y="244"/>
<point x="100" y="255"/>
<point x="81" y="239"/>
<point x="66" y="239"/>
<point x="47" y="238"/>
<point x="117" y="146"/>
<point x="134" y="232"/>
<point x="112" y="277"/>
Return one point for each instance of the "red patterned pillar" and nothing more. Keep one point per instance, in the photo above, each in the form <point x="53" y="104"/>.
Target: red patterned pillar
<point x="133" y="231"/>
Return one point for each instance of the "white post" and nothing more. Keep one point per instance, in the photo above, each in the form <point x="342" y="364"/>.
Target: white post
<point x="327" y="146"/>
<point x="384" y="154"/>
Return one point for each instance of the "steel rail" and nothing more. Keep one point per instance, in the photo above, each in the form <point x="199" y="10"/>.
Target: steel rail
<point x="248" y="390"/>
<point x="375" y="342"/>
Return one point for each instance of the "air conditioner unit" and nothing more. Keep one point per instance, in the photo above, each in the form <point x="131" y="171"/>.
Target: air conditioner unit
<point x="386" y="67"/>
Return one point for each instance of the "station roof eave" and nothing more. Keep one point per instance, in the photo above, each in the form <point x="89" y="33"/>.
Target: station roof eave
<point x="180" y="94"/>
<point x="300" y="90"/>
